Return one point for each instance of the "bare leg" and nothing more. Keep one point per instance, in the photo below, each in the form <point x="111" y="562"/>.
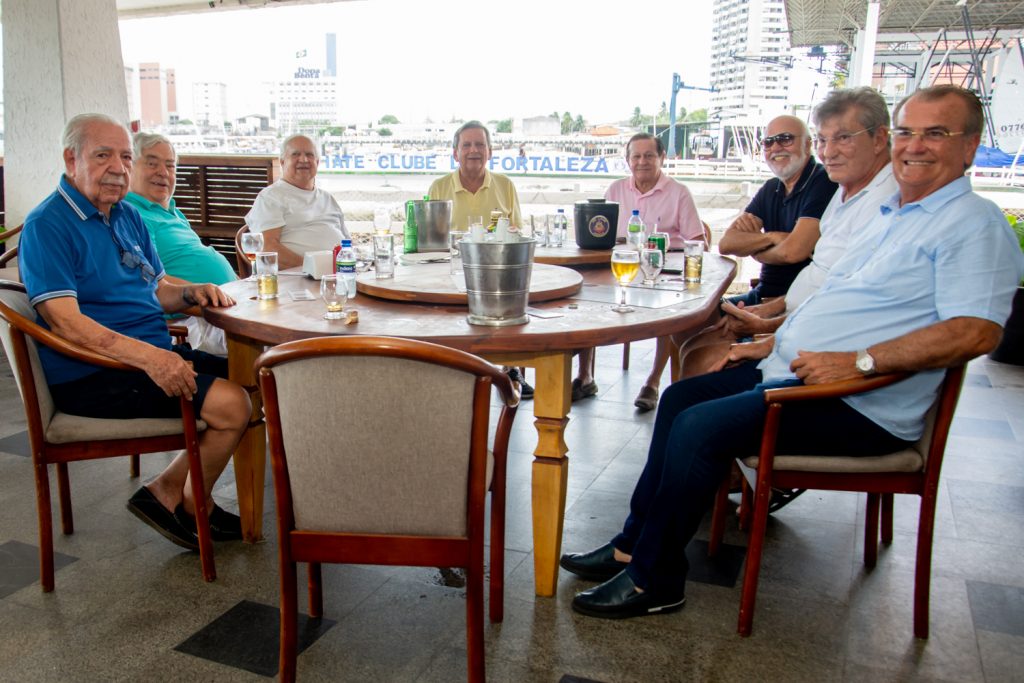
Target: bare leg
<point x="226" y="413"/>
<point x="661" y="356"/>
<point x="586" y="373"/>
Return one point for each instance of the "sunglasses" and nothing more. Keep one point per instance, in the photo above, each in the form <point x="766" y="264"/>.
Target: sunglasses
<point x="782" y="140"/>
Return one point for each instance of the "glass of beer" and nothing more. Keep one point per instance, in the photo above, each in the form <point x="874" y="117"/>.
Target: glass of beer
<point x="625" y="265"/>
<point x="694" y="251"/>
<point x="334" y="292"/>
<point x="266" y="274"/>
<point x="252" y="242"/>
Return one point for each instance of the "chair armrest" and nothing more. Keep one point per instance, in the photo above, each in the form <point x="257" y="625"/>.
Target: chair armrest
<point x="178" y="332"/>
<point x="59" y="344"/>
<point x="811" y="392"/>
<point x="8" y="234"/>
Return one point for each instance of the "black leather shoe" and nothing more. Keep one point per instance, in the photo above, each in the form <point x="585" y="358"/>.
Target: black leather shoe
<point x="525" y="390"/>
<point x="146" y="507"/>
<point x="619" y="599"/>
<point x="224" y="526"/>
<point x="597" y="565"/>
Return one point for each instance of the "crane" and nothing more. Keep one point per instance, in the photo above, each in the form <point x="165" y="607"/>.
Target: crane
<point x="677" y="85"/>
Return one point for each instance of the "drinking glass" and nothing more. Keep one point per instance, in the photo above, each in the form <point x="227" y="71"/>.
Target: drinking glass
<point x="625" y="265"/>
<point x="334" y="292"/>
<point x="651" y="263"/>
<point x="384" y="256"/>
<point x="252" y="242"/>
<point x="382" y="220"/>
<point x="266" y="274"/>
<point x="475" y="224"/>
<point x="694" y="260"/>
<point x="454" y="237"/>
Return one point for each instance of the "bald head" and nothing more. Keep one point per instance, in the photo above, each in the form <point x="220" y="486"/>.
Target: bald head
<point x="787" y="148"/>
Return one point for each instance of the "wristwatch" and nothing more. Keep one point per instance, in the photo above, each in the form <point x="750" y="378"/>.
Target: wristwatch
<point x="865" y="362"/>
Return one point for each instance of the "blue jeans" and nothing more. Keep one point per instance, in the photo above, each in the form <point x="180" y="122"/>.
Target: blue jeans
<point x="703" y="423"/>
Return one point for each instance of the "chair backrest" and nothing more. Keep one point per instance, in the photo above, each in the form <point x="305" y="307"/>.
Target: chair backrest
<point x="15" y="312"/>
<point x="244" y="267"/>
<point x="377" y="435"/>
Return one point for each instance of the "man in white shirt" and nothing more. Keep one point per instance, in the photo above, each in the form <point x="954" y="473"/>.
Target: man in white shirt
<point x="852" y="142"/>
<point x="294" y="215"/>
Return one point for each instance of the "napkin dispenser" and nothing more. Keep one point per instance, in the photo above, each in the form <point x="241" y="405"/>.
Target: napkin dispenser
<point x="316" y="264"/>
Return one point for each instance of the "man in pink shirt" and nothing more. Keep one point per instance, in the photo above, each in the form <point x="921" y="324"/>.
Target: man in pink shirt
<point x="663" y="203"/>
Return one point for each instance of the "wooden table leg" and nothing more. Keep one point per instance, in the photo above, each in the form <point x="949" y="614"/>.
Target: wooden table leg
<point x="250" y="458"/>
<point x="551" y="404"/>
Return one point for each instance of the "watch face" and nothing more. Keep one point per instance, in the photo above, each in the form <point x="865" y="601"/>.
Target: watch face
<point x="865" y="363"/>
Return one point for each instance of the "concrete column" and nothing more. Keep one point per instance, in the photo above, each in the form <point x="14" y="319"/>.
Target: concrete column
<point x="864" y="48"/>
<point x="61" y="58"/>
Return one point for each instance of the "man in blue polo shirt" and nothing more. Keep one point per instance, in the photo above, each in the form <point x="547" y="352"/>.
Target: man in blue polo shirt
<point x="94" y="278"/>
<point x="185" y="257"/>
<point x="928" y="286"/>
<point x="779" y="227"/>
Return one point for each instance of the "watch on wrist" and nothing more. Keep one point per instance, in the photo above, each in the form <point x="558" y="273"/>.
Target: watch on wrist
<point x="865" y="362"/>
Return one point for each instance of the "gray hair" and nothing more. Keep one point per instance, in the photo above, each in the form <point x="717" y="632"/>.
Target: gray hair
<point x="292" y="138"/>
<point x="872" y="112"/>
<point x="469" y="125"/>
<point x="143" y="141"/>
<point x="975" y="122"/>
<point x="73" y="137"/>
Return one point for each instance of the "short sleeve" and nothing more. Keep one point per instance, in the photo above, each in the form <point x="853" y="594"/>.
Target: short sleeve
<point x="266" y="213"/>
<point x="47" y="260"/>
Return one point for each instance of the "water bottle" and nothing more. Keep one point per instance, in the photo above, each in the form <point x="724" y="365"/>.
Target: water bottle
<point x="346" y="266"/>
<point x="558" y="229"/>
<point x="635" y="231"/>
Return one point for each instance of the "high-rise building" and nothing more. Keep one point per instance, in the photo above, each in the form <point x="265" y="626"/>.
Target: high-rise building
<point x="152" y="95"/>
<point x="172" y="96"/>
<point x="308" y="100"/>
<point x="750" y="61"/>
<point x="210" y="103"/>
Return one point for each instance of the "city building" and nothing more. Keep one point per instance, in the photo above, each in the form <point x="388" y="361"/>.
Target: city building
<point x="750" y="61"/>
<point x="210" y="104"/>
<point x="307" y="101"/>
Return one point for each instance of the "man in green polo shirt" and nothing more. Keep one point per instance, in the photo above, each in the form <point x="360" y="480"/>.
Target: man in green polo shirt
<point x="186" y="259"/>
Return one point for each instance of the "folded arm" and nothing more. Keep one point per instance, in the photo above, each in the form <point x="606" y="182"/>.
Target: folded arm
<point x="791" y="247"/>
<point x="286" y="258"/>
<point x="745" y="237"/>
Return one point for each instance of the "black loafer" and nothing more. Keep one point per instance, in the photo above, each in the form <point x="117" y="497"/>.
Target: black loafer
<point x="597" y="565"/>
<point x="146" y="507"/>
<point x="224" y="526"/>
<point x="619" y="599"/>
<point x="525" y="390"/>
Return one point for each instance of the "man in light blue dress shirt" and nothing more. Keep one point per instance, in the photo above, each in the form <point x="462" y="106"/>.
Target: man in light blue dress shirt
<point x="928" y="286"/>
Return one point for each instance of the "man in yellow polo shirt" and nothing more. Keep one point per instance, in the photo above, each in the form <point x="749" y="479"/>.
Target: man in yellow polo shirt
<point x="473" y="189"/>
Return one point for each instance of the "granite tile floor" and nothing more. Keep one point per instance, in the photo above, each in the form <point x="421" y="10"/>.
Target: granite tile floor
<point x="129" y="606"/>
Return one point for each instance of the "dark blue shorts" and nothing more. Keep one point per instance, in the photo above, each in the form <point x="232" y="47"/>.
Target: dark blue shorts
<point x="124" y="394"/>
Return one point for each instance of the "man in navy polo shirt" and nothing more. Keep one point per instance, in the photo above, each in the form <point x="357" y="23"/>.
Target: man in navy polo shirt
<point x="779" y="227"/>
<point x="94" y="278"/>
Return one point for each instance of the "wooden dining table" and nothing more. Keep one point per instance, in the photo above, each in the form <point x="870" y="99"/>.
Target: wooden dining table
<point x="556" y="329"/>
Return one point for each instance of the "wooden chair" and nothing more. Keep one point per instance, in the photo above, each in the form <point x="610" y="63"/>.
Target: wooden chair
<point x="58" y="438"/>
<point x="9" y="259"/>
<point x="914" y="470"/>
<point x="379" y="452"/>
<point x="244" y="267"/>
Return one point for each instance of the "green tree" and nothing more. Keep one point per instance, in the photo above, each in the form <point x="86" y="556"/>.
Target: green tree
<point x="388" y="119"/>
<point x="333" y="130"/>
<point x="384" y="132"/>
<point x="663" y="113"/>
<point x="697" y="116"/>
<point x="579" y="124"/>
<point x="566" y="123"/>
<point x="503" y="126"/>
<point x="681" y="116"/>
<point x="637" y="119"/>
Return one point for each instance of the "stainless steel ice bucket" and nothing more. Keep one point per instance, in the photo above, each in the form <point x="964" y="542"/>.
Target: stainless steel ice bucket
<point x="433" y="221"/>
<point x="498" y="281"/>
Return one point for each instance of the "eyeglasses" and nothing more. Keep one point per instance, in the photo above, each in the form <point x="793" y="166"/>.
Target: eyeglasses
<point x="840" y="140"/>
<point x="131" y="261"/>
<point x="782" y="140"/>
<point x="929" y="135"/>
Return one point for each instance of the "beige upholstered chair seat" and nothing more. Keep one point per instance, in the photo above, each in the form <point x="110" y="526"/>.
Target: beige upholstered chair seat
<point x="908" y="460"/>
<point x="64" y="428"/>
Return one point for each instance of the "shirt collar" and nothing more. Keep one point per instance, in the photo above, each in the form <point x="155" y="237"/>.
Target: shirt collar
<point x="659" y="185"/>
<point x="934" y="202"/>
<point x="82" y="207"/>
<point x="801" y="183"/>
<point x="136" y="198"/>
<point x="460" y="188"/>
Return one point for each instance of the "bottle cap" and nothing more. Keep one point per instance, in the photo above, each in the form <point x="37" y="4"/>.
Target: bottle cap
<point x="561" y="211"/>
<point x="346" y="243"/>
<point x="636" y="212"/>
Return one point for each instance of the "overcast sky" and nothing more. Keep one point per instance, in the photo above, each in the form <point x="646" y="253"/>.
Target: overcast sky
<point x="445" y="58"/>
